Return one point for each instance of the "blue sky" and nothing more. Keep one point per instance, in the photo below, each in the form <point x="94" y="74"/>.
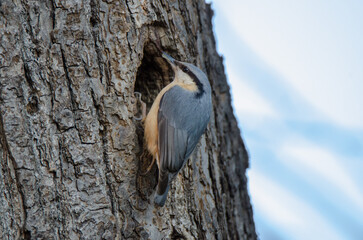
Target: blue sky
<point x="296" y="75"/>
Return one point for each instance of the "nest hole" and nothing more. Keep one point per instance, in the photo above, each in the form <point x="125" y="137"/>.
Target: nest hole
<point x="152" y="76"/>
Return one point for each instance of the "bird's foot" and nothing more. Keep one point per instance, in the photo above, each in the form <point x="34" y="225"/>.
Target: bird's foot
<point x="140" y="107"/>
<point x="148" y="168"/>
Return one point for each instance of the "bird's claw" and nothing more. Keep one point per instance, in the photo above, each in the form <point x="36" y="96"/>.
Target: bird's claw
<point x="142" y="106"/>
<point x="148" y="168"/>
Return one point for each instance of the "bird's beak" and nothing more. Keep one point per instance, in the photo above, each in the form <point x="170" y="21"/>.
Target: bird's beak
<point x="169" y="59"/>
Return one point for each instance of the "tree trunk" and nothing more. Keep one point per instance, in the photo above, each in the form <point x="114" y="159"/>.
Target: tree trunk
<point x="72" y="151"/>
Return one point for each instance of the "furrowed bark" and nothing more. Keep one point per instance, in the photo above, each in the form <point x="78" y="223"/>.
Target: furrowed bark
<point x="72" y="153"/>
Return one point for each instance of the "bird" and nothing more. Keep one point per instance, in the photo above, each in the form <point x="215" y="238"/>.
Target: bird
<point x="177" y="119"/>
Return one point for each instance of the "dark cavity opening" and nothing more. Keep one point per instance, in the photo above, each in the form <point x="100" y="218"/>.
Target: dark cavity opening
<point x="152" y="76"/>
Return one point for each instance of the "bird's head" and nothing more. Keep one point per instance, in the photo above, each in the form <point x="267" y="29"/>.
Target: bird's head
<point x="187" y="73"/>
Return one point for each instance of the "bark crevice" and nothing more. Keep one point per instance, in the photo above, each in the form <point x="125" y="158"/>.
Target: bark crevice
<point x="8" y="155"/>
<point x="68" y="79"/>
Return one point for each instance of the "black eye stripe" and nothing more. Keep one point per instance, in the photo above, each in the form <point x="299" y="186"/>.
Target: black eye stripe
<point x="185" y="69"/>
<point x="192" y="76"/>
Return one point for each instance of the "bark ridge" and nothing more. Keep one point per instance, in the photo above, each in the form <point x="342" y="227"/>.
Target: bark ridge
<point x="71" y="150"/>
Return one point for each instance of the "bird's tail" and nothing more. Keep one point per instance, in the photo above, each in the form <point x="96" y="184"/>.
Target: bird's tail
<point x="162" y="189"/>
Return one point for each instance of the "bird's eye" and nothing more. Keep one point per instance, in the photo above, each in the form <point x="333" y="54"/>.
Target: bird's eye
<point x="185" y="69"/>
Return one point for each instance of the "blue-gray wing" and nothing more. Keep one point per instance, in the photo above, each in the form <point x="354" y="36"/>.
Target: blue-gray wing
<point x="182" y="119"/>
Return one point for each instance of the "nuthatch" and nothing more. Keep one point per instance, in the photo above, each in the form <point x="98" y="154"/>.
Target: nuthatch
<point x="176" y="121"/>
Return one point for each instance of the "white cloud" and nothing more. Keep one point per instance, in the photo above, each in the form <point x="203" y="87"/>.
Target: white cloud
<point x="315" y="45"/>
<point x="285" y="211"/>
<point x="322" y="166"/>
<point x="246" y="100"/>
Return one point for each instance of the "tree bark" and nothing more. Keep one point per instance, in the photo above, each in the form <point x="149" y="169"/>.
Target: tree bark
<point x="72" y="152"/>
